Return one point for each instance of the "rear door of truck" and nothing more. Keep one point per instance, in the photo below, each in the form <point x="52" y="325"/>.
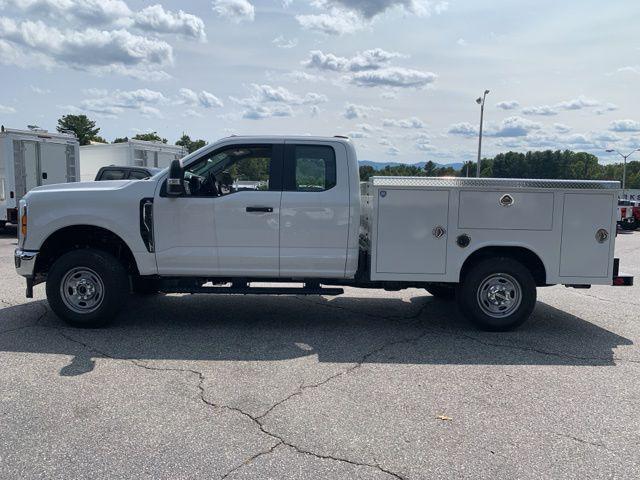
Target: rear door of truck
<point x="314" y="215"/>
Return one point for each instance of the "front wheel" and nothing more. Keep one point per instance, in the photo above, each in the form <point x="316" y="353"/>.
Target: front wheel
<point x="87" y="288"/>
<point x="497" y="294"/>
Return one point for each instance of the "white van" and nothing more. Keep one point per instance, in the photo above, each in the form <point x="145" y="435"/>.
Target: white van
<point x="29" y="159"/>
<point x="133" y="153"/>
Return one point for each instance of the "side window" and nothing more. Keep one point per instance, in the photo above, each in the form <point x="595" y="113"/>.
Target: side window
<point x="112" y="174"/>
<point x="315" y="168"/>
<point x="138" y="175"/>
<point x="236" y="169"/>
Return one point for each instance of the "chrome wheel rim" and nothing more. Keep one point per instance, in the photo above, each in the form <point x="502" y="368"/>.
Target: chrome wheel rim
<point x="82" y="290"/>
<point x="499" y="295"/>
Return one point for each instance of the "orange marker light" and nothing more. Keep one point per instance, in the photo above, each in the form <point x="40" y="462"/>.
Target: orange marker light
<point x="23" y="222"/>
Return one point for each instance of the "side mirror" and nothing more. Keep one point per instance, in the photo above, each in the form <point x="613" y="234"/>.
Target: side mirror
<point x="175" y="182"/>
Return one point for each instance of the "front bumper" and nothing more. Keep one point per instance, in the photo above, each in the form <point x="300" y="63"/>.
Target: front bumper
<point x="25" y="262"/>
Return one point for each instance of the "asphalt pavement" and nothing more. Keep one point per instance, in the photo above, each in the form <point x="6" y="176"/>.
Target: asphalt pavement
<point x="368" y="385"/>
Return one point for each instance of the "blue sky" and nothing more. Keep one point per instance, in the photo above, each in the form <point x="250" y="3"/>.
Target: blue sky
<point x="398" y="76"/>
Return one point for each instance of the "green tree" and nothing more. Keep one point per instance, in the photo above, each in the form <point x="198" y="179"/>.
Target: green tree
<point x="84" y="128"/>
<point x="120" y="140"/>
<point x="430" y="169"/>
<point x="150" y="137"/>
<point x="191" y="145"/>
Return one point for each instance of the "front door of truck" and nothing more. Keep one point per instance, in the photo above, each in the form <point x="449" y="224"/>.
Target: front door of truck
<point x="227" y="221"/>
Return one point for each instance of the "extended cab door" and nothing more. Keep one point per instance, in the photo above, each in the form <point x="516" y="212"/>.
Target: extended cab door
<point x="227" y="220"/>
<point x="314" y="220"/>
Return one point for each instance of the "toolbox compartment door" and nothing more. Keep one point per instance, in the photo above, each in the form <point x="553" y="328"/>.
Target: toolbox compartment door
<point x="581" y="254"/>
<point x="407" y="242"/>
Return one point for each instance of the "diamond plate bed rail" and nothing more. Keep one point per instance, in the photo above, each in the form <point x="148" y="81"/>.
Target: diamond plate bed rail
<point x="493" y="182"/>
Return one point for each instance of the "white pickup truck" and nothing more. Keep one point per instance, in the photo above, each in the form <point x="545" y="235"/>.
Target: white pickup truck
<point x="290" y="210"/>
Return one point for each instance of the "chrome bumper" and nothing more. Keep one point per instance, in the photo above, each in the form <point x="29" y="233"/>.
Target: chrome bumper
<point x="25" y="262"/>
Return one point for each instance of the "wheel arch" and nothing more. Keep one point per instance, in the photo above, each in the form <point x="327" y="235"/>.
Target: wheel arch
<point x="73" y="237"/>
<point x="525" y="255"/>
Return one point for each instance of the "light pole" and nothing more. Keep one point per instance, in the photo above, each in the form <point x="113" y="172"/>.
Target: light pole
<point x="480" y="101"/>
<point x="624" y="165"/>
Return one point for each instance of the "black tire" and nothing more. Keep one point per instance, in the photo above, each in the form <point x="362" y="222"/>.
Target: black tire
<point x="512" y="280"/>
<point x="629" y="225"/>
<point x="144" y="286"/>
<point x="443" y="292"/>
<point x="96" y="268"/>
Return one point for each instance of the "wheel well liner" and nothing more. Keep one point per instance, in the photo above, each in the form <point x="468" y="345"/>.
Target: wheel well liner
<point x="84" y="236"/>
<point x="522" y="254"/>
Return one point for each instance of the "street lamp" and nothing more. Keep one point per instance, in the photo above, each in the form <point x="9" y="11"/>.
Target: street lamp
<point x="480" y="101"/>
<point x="624" y="165"/>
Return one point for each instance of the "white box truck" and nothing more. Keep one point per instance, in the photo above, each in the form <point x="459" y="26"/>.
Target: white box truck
<point x="133" y="153"/>
<point x="29" y="159"/>
<point x="290" y="209"/>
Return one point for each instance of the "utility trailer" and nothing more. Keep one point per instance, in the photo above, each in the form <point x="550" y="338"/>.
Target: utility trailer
<point x="29" y="159"/>
<point x="132" y="153"/>
<point x="292" y="210"/>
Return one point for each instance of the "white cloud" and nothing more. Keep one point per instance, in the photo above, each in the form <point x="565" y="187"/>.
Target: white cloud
<point x="282" y="42"/>
<point x="203" y="99"/>
<point x="544" y="110"/>
<point x="337" y="22"/>
<point x="561" y="128"/>
<point x="259" y="112"/>
<point x="464" y="129"/>
<point x="158" y="20"/>
<point x="607" y="107"/>
<point x="89" y="11"/>
<point x="7" y="109"/>
<point x="412" y="122"/>
<point x="508" y="105"/>
<point x="629" y="69"/>
<point x="353" y="111"/>
<point x="267" y="101"/>
<point x="39" y="90"/>
<point x="111" y="104"/>
<point x="624" y="126"/>
<point x="101" y="51"/>
<point x="394" y="77"/>
<point x="234" y="10"/>
<point x="577" y="103"/>
<point x="373" y="59"/>
<point x="393" y="151"/>
<point x="348" y="16"/>
<point x="513" y="127"/>
<point x="462" y="42"/>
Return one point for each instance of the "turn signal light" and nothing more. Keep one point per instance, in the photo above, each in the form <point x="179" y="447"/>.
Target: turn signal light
<point x="23" y="222"/>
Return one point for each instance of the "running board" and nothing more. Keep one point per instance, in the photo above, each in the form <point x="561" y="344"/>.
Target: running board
<point x="255" y="291"/>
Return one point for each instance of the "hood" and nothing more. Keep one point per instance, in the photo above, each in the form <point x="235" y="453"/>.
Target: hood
<point x="83" y="186"/>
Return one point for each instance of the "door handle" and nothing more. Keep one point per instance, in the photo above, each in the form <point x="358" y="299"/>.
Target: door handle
<point x="259" y="209"/>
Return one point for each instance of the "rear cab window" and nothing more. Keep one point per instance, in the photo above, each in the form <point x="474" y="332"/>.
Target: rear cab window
<point x="311" y="168"/>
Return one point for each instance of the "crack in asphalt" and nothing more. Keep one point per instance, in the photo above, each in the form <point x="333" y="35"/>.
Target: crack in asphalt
<point x="256" y="420"/>
<point x="24" y="327"/>
<point x="602" y="299"/>
<point x="582" y="440"/>
<point x="537" y="350"/>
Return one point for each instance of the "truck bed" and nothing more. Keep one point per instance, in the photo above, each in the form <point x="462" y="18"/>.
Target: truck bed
<point x="423" y="228"/>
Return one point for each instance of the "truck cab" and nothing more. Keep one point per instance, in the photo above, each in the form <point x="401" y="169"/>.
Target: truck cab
<point x="290" y="209"/>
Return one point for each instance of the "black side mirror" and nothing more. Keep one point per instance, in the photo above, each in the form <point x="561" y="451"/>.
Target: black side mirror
<point x="175" y="182"/>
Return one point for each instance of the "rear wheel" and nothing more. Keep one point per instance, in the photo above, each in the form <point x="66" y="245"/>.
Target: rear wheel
<point x="87" y="288"/>
<point x="444" y="292"/>
<point x="497" y="294"/>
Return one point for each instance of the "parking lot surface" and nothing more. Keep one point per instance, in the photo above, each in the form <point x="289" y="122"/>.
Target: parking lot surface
<point x="368" y="385"/>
